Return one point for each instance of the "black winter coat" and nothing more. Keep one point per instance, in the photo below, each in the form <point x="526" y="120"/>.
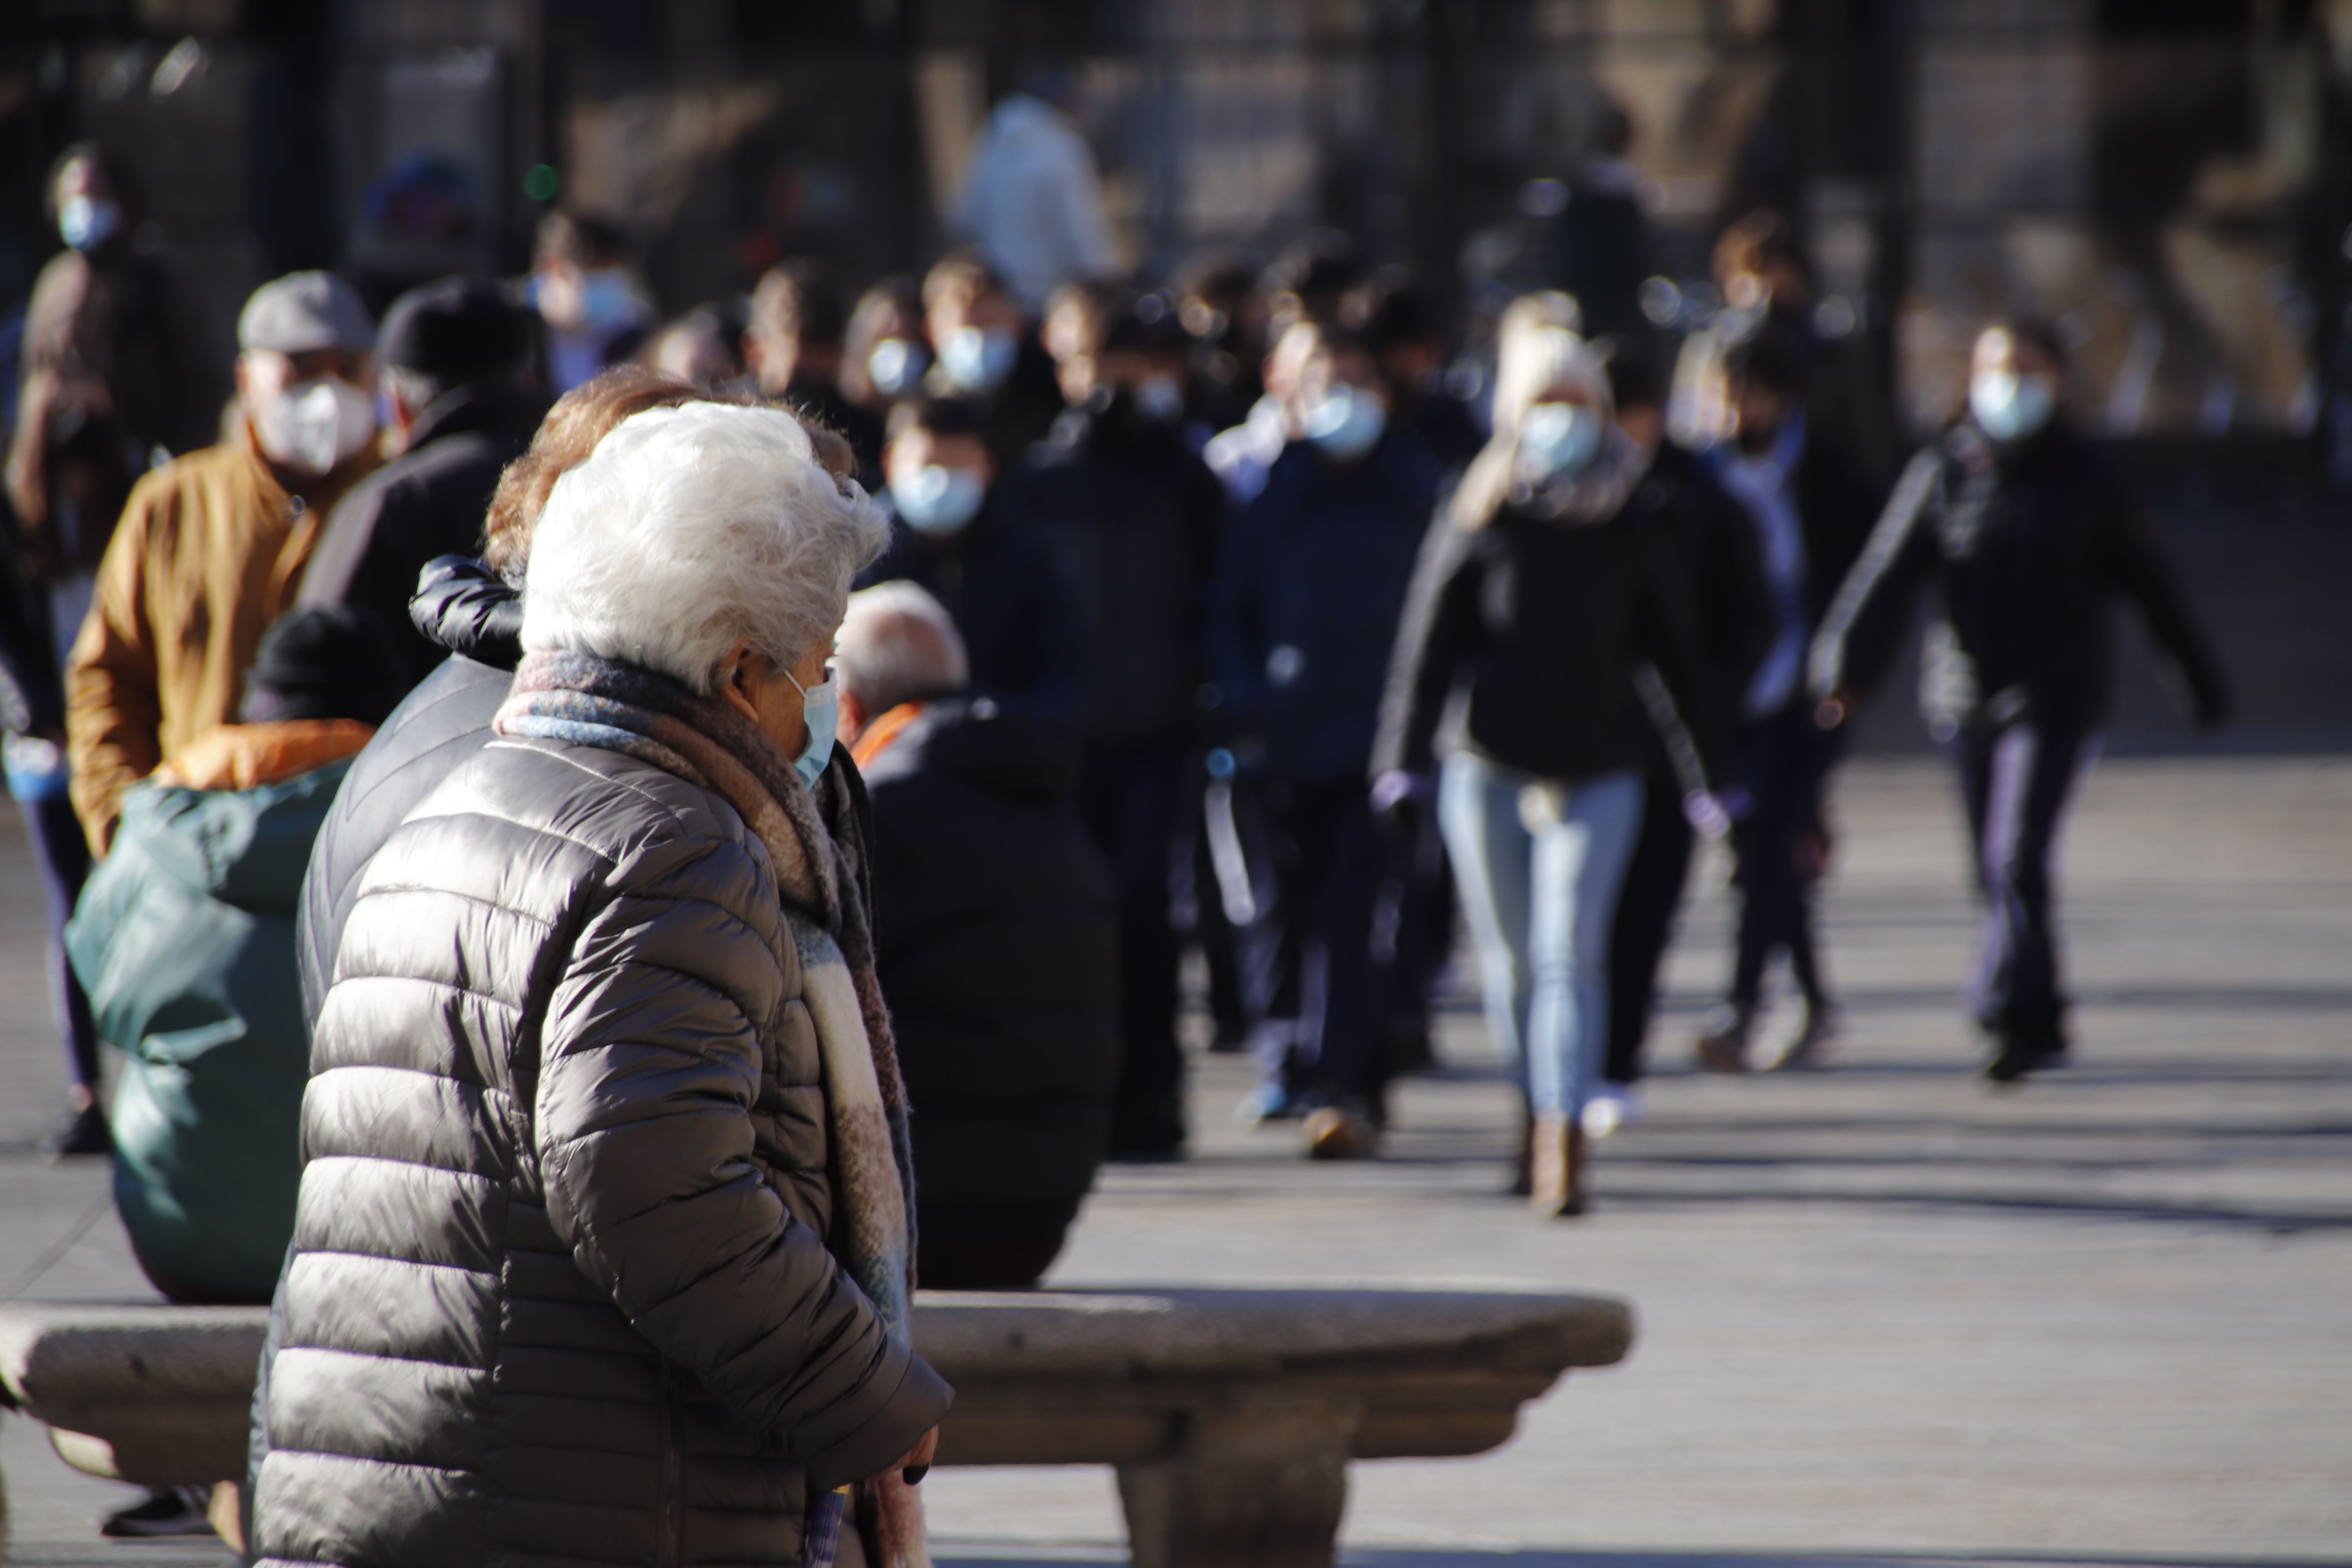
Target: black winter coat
<point x="2031" y="547"/>
<point x="1837" y="506"/>
<point x="463" y="607"/>
<point x="1136" y="520"/>
<point x="560" y="1288"/>
<point x="996" y="931"/>
<point x="427" y="502"/>
<point x="1011" y="600"/>
<point x="1712" y="548"/>
<point x="1314" y="581"/>
<point x="1546" y="624"/>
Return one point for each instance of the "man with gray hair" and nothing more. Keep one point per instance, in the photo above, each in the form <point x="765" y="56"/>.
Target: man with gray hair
<point x="212" y="547"/>
<point x="996" y="939"/>
<point x="897" y="645"/>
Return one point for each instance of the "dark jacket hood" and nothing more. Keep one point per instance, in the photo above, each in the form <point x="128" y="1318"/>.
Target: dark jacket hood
<point x="974" y="741"/>
<point x="470" y="609"/>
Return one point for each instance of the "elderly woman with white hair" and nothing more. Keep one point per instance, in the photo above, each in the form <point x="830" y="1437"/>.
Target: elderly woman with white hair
<point x="602" y="1246"/>
<point x="1547" y="592"/>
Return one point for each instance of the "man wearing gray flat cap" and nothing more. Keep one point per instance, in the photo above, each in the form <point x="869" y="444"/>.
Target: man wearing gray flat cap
<point x="212" y="547"/>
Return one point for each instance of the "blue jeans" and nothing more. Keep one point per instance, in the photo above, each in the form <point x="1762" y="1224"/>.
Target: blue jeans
<point x="1539" y="863"/>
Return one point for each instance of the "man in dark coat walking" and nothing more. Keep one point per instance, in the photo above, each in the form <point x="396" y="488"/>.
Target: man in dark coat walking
<point x="454" y="357"/>
<point x="2032" y="534"/>
<point x="1135" y="520"/>
<point x="1713" y="552"/>
<point x="1812" y="509"/>
<point x="996" y="939"/>
<point x="1312" y="586"/>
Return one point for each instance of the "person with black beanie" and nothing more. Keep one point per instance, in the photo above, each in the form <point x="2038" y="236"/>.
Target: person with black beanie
<point x="454" y="357"/>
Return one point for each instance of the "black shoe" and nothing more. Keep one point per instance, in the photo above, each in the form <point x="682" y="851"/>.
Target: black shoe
<point x="1140" y="1151"/>
<point x="1411" y="1052"/>
<point x="168" y="1510"/>
<point x="83" y="1133"/>
<point x="2019" y="1055"/>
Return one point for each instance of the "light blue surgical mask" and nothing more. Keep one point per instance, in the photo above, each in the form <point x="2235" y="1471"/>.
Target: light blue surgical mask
<point x="1346" y="423"/>
<point x="87" y="222"/>
<point x="1559" y="438"/>
<point x="896" y="366"/>
<point x="607" y="302"/>
<point x="976" y="361"/>
<point x="937" y="499"/>
<point x="821" y="708"/>
<point x="2008" y="407"/>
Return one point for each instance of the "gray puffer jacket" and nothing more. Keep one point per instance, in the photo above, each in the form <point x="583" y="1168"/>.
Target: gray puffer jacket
<point x="560" y="1289"/>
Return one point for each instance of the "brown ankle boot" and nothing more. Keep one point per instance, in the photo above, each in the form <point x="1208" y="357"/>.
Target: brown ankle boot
<point x="1523" y="1167"/>
<point x="1557" y="1169"/>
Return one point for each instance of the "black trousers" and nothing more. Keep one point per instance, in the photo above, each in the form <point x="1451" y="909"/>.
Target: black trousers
<point x="1652" y="896"/>
<point x="2017" y="780"/>
<point x="1130" y="795"/>
<point x="63" y="855"/>
<point x="1413" y="939"/>
<point x="1310" y="984"/>
<point x="1789" y="757"/>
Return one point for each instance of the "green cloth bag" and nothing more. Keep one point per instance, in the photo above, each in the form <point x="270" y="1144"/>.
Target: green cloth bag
<point x="184" y="937"/>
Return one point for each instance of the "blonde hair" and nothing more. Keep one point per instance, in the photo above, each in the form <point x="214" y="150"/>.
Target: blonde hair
<point x="1537" y="349"/>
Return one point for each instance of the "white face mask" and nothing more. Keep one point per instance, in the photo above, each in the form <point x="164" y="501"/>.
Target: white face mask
<point x="313" y="426"/>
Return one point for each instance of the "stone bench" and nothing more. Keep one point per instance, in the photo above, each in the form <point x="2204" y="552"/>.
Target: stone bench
<point x="1231" y="1414"/>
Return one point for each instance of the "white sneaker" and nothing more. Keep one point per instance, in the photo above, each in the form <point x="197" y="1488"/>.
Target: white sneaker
<point x="1610" y="1107"/>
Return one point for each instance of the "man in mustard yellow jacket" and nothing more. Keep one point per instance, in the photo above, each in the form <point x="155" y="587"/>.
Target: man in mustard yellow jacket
<point x="212" y="546"/>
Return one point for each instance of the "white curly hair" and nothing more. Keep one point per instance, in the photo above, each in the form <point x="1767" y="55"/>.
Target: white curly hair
<point x="690" y="530"/>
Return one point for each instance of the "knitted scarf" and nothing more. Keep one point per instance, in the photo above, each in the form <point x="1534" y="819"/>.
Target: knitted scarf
<point x="817" y="842"/>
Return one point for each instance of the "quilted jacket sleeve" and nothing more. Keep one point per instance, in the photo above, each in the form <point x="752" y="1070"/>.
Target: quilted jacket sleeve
<point x="650" y="1066"/>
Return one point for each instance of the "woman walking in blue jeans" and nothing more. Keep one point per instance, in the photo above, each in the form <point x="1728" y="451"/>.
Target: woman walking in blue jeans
<point x="1546" y="593"/>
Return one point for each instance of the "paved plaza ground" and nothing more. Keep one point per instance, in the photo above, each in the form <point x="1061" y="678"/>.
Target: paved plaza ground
<point x="1886" y="1313"/>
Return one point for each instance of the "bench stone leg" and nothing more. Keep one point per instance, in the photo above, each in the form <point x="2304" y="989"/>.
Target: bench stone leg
<point x="1256" y="1486"/>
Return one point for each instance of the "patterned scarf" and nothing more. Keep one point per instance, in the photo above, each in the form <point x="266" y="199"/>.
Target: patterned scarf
<point x="816" y="840"/>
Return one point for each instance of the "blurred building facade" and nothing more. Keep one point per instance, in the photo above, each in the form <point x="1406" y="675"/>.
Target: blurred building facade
<point x="2171" y="179"/>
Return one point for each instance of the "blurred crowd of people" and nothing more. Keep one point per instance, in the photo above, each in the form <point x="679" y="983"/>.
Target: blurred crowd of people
<point x="1259" y="617"/>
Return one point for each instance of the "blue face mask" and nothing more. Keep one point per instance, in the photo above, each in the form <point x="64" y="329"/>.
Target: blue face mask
<point x="1558" y="438"/>
<point x="2008" y="407"/>
<point x="86" y="223"/>
<point x="937" y="499"/>
<point x="606" y="300"/>
<point x="1346" y="423"/>
<point x="896" y="365"/>
<point x="977" y="361"/>
<point x="821" y="708"/>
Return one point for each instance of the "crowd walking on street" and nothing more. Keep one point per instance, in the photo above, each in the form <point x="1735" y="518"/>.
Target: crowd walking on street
<point x="609" y="846"/>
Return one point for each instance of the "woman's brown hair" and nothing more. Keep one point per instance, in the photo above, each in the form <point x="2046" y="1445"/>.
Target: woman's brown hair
<point x="585" y="415"/>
